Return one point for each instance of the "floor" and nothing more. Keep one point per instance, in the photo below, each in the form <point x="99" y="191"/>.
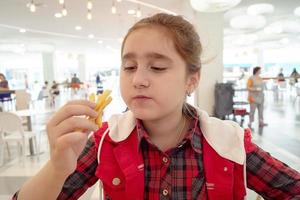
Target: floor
<point x="281" y="138"/>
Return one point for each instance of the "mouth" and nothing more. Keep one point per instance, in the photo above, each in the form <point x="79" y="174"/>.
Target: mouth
<point x="140" y="97"/>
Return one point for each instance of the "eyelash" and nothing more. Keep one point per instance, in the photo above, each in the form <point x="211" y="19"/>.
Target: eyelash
<point x="156" y="69"/>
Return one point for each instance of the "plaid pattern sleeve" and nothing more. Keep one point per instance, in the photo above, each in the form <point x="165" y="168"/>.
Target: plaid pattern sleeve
<point x="83" y="177"/>
<point x="271" y="178"/>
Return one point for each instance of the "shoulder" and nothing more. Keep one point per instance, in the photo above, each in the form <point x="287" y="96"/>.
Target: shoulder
<point x="224" y="136"/>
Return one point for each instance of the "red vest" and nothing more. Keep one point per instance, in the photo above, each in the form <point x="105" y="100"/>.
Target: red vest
<point x="121" y="170"/>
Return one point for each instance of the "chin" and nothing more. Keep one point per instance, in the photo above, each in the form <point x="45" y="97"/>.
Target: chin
<point x="143" y="114"/>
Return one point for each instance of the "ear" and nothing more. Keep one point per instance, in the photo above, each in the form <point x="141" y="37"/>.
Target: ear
<point x="193" y="81"/>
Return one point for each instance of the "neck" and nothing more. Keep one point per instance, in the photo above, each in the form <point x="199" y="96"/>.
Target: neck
<point x="165" y="133"/>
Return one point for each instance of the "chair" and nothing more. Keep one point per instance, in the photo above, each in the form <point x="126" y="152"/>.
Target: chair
<point x="11" y="131"/>
<point x="23" y="99"/>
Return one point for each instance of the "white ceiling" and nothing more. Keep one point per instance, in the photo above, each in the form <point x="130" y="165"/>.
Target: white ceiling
<point x="47" y="33"/>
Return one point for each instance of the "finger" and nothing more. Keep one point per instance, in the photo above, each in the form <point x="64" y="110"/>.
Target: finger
<point x="82" y="102"/>
<point x="72" y="110"/>
<point x="73" y="140"/>
<point x="75" y="123"/>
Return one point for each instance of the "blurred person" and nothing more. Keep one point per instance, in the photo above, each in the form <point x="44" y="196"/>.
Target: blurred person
<point x="162" y="147"/>
<point x="75" y="83"/>
<point x="99" y="84"/>
<point x="54" y="92"/>
<point x="255" y="87"/>
<point x="3" y="82"/>
<point x="294" y="77"/>
<point x="280" y="76"/>
<point x="44" y="92"/>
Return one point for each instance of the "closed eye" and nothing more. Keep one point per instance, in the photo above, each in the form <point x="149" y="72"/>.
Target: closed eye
<point x="130" y="68"/>
<point x="159" y="69"/>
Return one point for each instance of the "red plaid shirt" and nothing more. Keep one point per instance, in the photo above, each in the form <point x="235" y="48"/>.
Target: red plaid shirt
<point x="178" y="173"/>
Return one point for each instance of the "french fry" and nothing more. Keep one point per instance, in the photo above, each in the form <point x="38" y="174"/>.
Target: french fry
<point x="102" y="98"/>
<point x="102" y="101"/>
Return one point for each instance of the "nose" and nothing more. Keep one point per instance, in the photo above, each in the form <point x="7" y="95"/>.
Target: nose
<point x="140" y="79"/>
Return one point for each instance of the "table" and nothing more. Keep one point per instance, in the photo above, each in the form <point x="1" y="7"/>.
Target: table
<point x="28" y="113"/>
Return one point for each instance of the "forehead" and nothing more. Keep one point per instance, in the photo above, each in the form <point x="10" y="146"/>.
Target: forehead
<point x="150" y="39"/>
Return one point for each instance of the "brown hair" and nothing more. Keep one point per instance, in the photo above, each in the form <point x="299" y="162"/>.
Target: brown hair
<point x="184" y="35"/>
<point x="256" y="69"/>
<point x="186" y="41"/>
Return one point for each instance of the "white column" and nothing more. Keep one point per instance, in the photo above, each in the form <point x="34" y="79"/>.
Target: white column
<point x="48" y="67"/>
<point x="82" y="75"/>
<point x="210" y="29"/>
<point x="260" y="58"/>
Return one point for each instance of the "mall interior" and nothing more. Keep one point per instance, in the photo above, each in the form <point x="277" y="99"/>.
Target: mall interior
<point x="52" y="52"/>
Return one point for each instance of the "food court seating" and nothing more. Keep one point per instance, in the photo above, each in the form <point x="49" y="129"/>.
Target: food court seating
<point x="11" y="131"/>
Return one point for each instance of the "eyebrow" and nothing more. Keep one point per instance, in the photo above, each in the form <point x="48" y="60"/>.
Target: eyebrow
<point x="151" y="55"/>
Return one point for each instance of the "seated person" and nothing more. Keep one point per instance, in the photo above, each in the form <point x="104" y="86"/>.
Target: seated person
<point x="3" y="82"/>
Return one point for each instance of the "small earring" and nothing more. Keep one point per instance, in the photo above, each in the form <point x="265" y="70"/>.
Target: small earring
<point x="188" y="93"/>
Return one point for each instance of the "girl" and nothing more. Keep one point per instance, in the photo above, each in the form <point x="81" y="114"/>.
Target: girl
<point x="162" y="148"/>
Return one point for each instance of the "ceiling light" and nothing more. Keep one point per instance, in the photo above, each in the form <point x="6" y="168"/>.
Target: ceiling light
<point x="119" y="0"/>
<point x="64" y="11"/>
<point x="297" y="11"/>
<point x="61" y="1"/>
<point x="89" y="5"/>
<point x="100" y="41"/>
<point x="78" y="28"/>
<point x="260" y="8"/>
<point x="22" y="30"/>
<point x="138" y="12"/>
<point x="89" y="15"/>
<point x="213" y="6"/>
<point x="249" y="22"/>
<point x="131" y="12"/>
<point x="32" y="7"/>
<point x="91" y="36"/>
<point x="113" y="9"/>
<point x="58" y="15"/>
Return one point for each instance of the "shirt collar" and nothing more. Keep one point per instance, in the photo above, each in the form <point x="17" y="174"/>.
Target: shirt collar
<point x="193" y="135"/>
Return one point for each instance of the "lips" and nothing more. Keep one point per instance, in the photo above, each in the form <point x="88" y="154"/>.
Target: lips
<point x="141" y="97"/>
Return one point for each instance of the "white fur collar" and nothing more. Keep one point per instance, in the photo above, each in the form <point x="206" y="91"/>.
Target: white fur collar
<point x="225" y="137"/>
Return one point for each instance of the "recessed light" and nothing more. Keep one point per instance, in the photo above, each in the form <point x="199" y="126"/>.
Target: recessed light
<point x="131" y="12"/>
<point x="78" y="28"/>
<point x="61" y="1"/>
<point x="119" y="0"/>
<point x="91" y="36"/>
<point x="64" y="12"/>
<point x="100" y="41"/>
<point x="89" y="5"/>
<point x="113" y="9"/>
<point x="22" y="30"/>
<point x="138" y="13"/>
<point x="32" y="7"/>
<point x="58" y="15"/>
<point x="89" y="16"/>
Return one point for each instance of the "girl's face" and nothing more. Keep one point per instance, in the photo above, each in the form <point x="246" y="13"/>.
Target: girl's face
<point x="153" y="77"/>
